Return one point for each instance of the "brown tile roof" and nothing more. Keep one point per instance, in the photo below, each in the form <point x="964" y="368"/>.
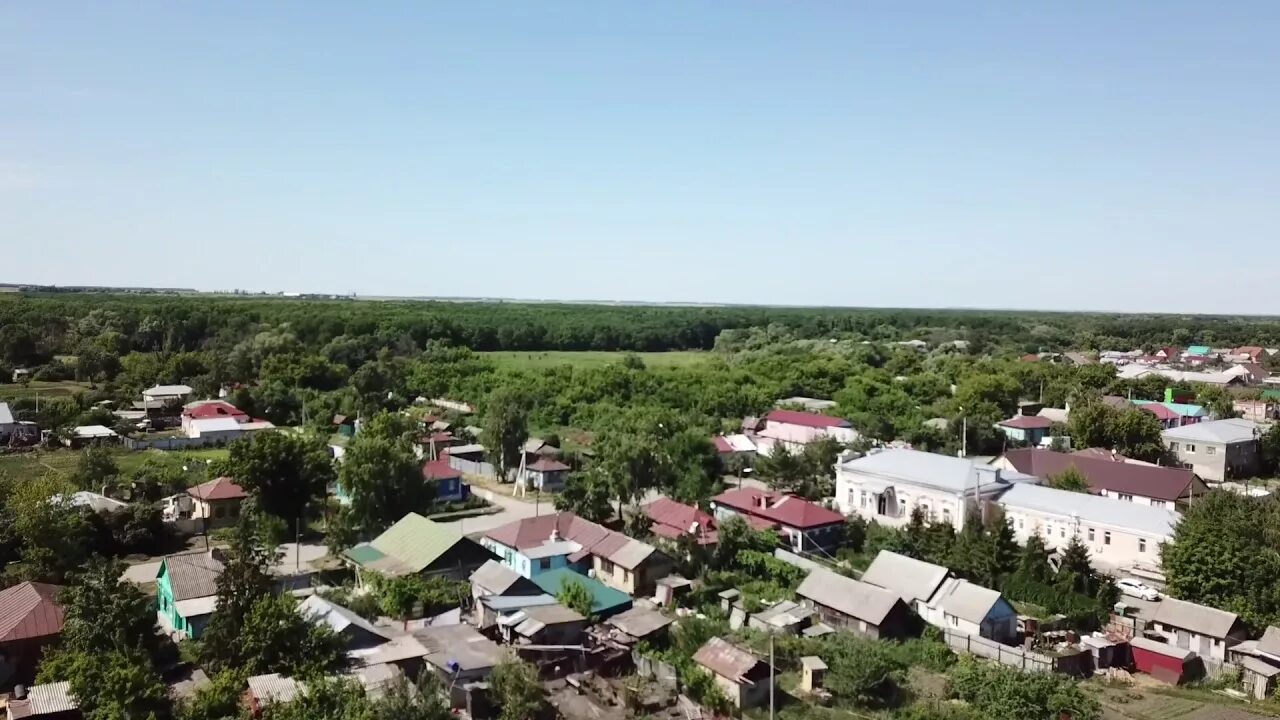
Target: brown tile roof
<point x="30" y="610"/>
<point x="223" y="488"/>
<point x="593" y="538"/>
<point x="1028" y="422"/>
<point x="546" y="464"/>
<point x="1161" y="483"/>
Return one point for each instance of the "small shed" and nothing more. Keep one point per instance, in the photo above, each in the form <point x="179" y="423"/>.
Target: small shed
<point x="1164" y="662"/>
<point x="1258" y="677"/>
<point x="812" y="672"/>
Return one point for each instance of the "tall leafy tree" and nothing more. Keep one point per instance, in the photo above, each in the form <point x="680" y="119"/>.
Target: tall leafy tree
<point x="587" y="495"/>
<point x="506" y="428"/>
<point x="286" y="472"/>
<point x="1069" y="479"/>
<point x="245" y="579"/>
<point x="384" y="481"/>
<point x="516" y="690"/>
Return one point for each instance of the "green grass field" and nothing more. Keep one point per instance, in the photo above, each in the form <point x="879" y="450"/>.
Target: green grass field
<point x="9" y="391"/>
<point x="591" y="358"/>
<point x="63" y="462"/>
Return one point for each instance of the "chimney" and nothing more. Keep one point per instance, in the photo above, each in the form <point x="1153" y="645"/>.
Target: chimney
<point x="19" y="691"/>
<point x="555" y="534"/>
<point x="761" y="501"/>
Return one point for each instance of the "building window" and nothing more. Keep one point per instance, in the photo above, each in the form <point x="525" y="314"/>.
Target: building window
<point x="1142" y="545"/>
<point x="606" y="566"/>
<point x="946" y="515"/>
<point x="544" y="563"/>
<point x="1106" y="538"/>
<point x="1048" y="530"/>
<point x="1126" y="496"/>
<point x="955" y="621"/>
<point x="1090" y="534"/>
<point x="1173" y="447"/>
<point x="1062" y="531"/>
<point x="1157" y="503"/>
<point x="1210" y="450"/>
<point x="626" y="576"/>
<point x="1191" y="449"/>
<point x="1020" y="523"/>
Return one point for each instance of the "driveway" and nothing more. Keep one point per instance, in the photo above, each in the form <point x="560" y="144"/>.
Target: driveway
<point x="512" y="509"/>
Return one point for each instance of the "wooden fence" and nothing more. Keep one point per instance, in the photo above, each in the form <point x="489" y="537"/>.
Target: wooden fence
<point x="1017" y="657"/>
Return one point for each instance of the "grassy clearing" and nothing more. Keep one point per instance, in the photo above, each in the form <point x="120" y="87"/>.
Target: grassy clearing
<point x="63" y="462"/>
<point x="64" y="388"/>
<point x="591" y="358"/>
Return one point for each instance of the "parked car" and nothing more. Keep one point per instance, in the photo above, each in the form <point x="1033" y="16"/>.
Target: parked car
<point x="1137" y="589"/>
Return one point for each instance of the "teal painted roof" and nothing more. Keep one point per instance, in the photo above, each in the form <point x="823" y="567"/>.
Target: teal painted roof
<point x="1271" y="394"/>
<point x="604" y="599"/>
<point x="1199" y="350"/>
<point x="1183" y="409"/>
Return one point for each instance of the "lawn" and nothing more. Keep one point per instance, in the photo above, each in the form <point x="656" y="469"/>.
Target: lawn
<point x="63" y="462"/>
<point x="591" y="358"/>
<point x="65" y="388"/>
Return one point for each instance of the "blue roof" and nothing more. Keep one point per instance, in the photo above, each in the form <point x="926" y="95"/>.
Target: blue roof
<point x="1183" y="409"/>
<point x="605" y="601"/>
<point x="1199" y="350"/>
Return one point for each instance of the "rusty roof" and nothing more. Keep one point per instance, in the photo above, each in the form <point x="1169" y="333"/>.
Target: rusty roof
<point x="726" y="660"/>
<point x="30" y="610"/>
<point x="223" y="488"/>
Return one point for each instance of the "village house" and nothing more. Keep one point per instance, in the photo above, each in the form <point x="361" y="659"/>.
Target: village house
<point x="187" y="591"/>
<point x="795" y="429"/>
<point x="672" y="520"/>
<point x="1026" y="429"/>
<point x="1173" y="414"/>
<point x="734" y="446"/>
<point x="545" y="474"/>
<point x="168" y="395"/>
<point x="886" y="486"/>
<point x="915" y="581"/>
<point x="1259" y="664"/>
<point x="806" y="525"/>
<point x="356" y="632"/>
<point x="1163" y="487"/>
<point x="1205" y="631"/>
<point x="447" y="480"/>
<point x="471" y="459"/>
<point x="1117" y="533"/>
<point x="860" y="607"/>
<point x="965" y="607"/>
<point x="740" y="675"/>
<point x="532" y="546"/>
<point x="415" y="545"/>
<point x="552" y="624"/>
<point x="458" y="654"/>
<point x="217" y="501"/>
<point x="641" y="625"/>
<point x="1262" y="410"/>
<point x="493" y="579"/>
<point x="30" y="621"/>
<point x="86" y="435"/>
<point x="217" y="422"/>
<point x="605" y="601"/>
<point x="1217" y="450"/>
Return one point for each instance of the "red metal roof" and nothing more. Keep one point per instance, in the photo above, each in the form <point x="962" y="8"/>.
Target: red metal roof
<point x="672" y="519"/>
<point x="30" y="610"/>
<point x="1161" y="483"/>
<point x="795" y="417"/>
<point x="440" y="470"/>
<point x="779" y="508"/>
<point x="223" y="488"/>
<point x="215" y="409"/>
<point x="1028" y="422"/>
<point x="722" y="445"/>
<point x="1160" y="411"/>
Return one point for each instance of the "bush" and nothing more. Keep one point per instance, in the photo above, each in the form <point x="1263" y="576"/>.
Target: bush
<point x="1002" y="693"/>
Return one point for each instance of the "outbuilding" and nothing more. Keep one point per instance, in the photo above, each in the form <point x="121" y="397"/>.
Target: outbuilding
<point x="1165" y="663"/>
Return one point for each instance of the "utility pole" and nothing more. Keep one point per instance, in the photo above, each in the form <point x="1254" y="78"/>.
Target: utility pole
<point x="772" y="679"/>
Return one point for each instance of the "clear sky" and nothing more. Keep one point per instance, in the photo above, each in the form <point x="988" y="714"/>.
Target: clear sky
<point x="1088" y="155"/>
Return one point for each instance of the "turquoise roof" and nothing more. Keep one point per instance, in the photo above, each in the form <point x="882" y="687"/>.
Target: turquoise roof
<point x="1182" y="409"/>
<point x="605" y="601"/>
<point x="1199" y="350"/>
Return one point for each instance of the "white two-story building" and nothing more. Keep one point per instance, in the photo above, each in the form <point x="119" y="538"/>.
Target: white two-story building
<point x="1118" y="533"/>
<point x="886" y="486"/>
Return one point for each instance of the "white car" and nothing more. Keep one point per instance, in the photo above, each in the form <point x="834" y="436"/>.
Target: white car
<point x="1134" y="588"/>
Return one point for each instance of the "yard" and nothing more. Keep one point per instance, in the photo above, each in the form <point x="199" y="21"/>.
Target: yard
<point x="1143" y="702"/>
<point x="591" y="358"/>
<point x="63" y="462"/>
<point x="62" y="388"/>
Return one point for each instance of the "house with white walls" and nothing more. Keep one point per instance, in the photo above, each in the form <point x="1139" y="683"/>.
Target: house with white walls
<point x="886" y="486"/>
<point x="1117" y="533"/>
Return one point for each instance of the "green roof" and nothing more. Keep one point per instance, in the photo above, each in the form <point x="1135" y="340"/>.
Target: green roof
<point x="1271" y="394"/>
<point x="605" y="601"/>
<point x="412" y="544"/>
<point x="1199" y="350"/>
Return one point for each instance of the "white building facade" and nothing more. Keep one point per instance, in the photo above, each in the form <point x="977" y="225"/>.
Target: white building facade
<point x="1117" y="533"/>
<point x="887" y="486"/>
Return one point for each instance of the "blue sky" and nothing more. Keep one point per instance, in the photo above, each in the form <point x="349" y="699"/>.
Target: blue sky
<point x="1089" y="155"/>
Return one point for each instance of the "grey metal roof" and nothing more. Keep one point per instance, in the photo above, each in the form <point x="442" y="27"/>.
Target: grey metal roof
<point x="640" y="622"/>
<point x="966" y="601"/>
<point x="910" y="578"/>
<point x="632" y="554"/>
<point x="167" y="390"/>
<point x="921" y="468"/>
<point x="274" y="688"/>
<point x="1091" y="509"/>
<point x="1260" y="667"/>
<point x="1231" y="430"/>
<point x="193" y="574"/>
<point x="495" y="577"/>
<point x="856" y="599"/>
<point x="502" y="603"/>
<point x="1270" y="642"/>
<point x="317" y="609"/>
<point x="6" y="416"/>
<point x="812" y="662"/>
<point x="1199" y="619"/>
<point x="459" y="644"/>
<point x="51" y="698"/>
